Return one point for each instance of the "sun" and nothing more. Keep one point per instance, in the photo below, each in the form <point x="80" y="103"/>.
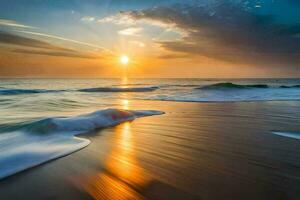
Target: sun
<point x="124" y="60"/>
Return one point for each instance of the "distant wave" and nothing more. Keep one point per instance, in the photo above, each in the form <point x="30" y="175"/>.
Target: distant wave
<point x="24" y="91"/>
<point x="120" y="89"/>
<point x="179" y="85"/>
<point x="130" y="84"/>
<point x="34" y="143"/>
<point x="292" y="86"/>
<point x="228" y="85"/>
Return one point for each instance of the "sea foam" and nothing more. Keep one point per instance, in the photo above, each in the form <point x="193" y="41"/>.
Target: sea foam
<point x="293" y="135"/>
<point x="47" y="139"/>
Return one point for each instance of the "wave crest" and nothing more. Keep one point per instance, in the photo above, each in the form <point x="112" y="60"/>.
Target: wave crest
<point x="290" y="86"/>
<point x="120" y="89"/>
<point x="25" y="91"/>
<point x="87" y="122"/>
<point x="228" y="85"/>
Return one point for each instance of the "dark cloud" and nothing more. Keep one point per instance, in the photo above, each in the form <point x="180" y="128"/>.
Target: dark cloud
<point x="12" y="39"/>
<point x="72" y="54"/>
<point x="174" y="56"/>
<point x="40" y="47"/>
<point x="227" y="31"/>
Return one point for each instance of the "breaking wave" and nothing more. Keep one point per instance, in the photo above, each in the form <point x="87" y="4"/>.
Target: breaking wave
<point x="32" y="143"/>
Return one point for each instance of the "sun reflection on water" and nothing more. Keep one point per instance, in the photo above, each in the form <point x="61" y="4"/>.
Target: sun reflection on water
<point x="124" y="80"/>
<point x="122" y="171"/>
<point x="125" y="104"/>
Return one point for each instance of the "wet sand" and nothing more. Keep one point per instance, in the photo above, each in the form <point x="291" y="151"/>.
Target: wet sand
<point x="194" y="151"/>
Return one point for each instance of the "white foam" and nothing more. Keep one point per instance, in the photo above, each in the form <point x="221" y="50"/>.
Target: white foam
<point x="55" y="137"/>
<point x="288" y="134"/>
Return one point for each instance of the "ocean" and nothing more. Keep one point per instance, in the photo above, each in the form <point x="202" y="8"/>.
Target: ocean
<point x="40" y="118"/>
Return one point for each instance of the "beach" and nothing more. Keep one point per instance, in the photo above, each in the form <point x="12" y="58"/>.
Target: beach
<point x="193" y="151"/>
<point x="149" y="100"/>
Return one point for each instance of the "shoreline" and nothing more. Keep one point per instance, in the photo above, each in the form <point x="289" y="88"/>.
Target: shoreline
<point x="190" y="152"/>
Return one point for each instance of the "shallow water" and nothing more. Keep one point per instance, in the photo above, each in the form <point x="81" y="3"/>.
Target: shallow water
<point x="29" y="106"/>
<point x="190" y="152"/>
<point x="34" y="143"/>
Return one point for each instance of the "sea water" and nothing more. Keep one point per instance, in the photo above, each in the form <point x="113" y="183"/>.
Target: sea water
<point x="40" y="118"/>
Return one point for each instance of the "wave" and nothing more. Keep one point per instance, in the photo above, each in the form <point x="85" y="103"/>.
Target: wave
<point x="25" y="91"/>
<point x="34" y="143"/>
<point x="120" y="89"/>
<point x="130" y="84"/>
<point x="179" y="85"/>
<point x="290" y="86"/>
<point x="84" y="123"/>
<point x="229" y="85"/>
<point x="6" y="91"/>
<point x="228" y="95"/>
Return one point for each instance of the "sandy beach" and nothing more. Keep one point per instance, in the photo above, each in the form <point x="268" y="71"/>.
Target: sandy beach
<point x="149" y="100"/>
<point x="194" y="151"/>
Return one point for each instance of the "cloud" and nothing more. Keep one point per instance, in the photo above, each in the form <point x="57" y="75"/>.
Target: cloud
<point x="87" y="19"/>
<point x="12" y="23"/>
<point x="226" y="31"/>
<point x="55" y="53"/>
<point x="64" y="39"/>
<point x="12" y="39"/>
<point x="138" y="43"/>
<point x="5" y="22"/>
<point x="133" y="31"/>
<point x="174" y="56"/>
<point x="125" y="18"/>
<point x="39" y="47"/>
<point x="119" y="19"/>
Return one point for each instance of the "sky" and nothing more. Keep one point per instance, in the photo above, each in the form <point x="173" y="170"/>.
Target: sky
<point x="162" y="38"/>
